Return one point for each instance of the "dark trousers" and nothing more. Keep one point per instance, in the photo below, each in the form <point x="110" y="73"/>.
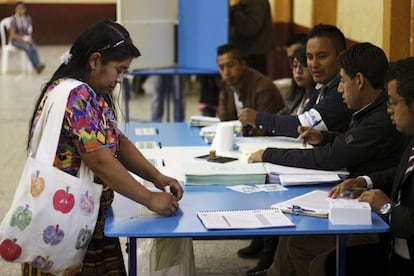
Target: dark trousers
<point x="258" y="62"/>
<point x="361" y="260"/>
<point x="401" y="266"/>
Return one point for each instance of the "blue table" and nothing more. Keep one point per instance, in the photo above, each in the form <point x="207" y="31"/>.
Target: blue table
<point x="123" y="221"/>
<point x="168" y="134"/>
<point x="167" y="75"/>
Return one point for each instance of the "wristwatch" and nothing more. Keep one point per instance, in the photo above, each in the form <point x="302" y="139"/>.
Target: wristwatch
<point x="386" y="208"/>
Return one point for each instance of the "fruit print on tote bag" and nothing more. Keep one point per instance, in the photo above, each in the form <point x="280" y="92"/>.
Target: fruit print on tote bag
<point x="53" y="214"/>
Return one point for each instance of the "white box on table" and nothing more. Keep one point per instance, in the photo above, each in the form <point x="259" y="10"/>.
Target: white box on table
<point x="349" y="212"/>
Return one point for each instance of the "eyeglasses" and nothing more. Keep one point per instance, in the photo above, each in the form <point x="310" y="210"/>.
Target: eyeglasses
<point x="297" y="65"/>
<point x="392" y="103"/>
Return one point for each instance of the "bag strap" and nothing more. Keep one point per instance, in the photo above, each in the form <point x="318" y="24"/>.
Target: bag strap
<point x="47" y="132"/>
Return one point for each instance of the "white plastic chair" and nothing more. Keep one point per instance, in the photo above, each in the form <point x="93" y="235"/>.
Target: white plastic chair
<point x="284" y="86"/>
<point x="7" y="48"/>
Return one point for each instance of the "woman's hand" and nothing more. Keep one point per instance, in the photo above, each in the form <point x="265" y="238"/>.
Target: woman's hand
<point x="165" y="204"/>
<point x="175" y="187"/>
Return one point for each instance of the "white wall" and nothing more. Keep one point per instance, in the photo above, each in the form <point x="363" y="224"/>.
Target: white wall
<point x="151" y="25"/>
<point x="361" y="20"/>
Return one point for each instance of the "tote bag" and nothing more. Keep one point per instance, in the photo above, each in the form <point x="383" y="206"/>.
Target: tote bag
<point x="53" y="214"/>
<point x="165" y="257"/>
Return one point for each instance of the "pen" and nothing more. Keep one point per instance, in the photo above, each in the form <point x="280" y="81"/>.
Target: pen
<point x="296" y="210"/>
<point x="315" y="124"/>
<point x="312" y="126"/>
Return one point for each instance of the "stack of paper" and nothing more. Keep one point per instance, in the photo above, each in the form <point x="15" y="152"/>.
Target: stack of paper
<point x="289" y="176"/>
<point x="201" y="173"/>
<point x="248" y="145"/>
<point x="303" y="179"/>
<point x="315" y="203"/>
<point x="285" y="175"/>
<point x="198" y="120"/>
<point x="244" y="219"/>
<point x="345" y="210"/>
<point x="349" y="212"/>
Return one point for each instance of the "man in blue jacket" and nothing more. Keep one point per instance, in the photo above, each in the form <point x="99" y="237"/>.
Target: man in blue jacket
<point x="324" y="46"/>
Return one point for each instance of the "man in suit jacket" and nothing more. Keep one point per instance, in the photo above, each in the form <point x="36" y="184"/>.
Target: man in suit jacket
<point x="370" y="143"/>
<point x="391" y="192"/>
<point x="362" y="83"/>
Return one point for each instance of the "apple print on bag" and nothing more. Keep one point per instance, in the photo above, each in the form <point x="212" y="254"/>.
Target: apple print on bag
<point x="86" y="204"/>
<point x="42" y="263"/>
<point x="84" y="237"/>
<point x="10" y="250"/>
<point x="53" y="235"/>
<point x="37" y="184"/>
<point x="21" y="217"/>
<point x="63" y="201"/>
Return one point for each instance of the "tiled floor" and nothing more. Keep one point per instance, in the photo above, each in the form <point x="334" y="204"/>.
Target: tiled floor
<point x="18" y="93"/>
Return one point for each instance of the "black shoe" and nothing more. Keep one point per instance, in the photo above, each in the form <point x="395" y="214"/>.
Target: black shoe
<point x="268" y="252"/>
<point x="40" y="68"/>
<point x="264" y="263"/>
<point x="253" y="250"/>
<point x="257" y="273"/>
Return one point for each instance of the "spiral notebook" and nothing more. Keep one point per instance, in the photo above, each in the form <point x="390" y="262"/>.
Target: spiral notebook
<point x="244" y="219"/>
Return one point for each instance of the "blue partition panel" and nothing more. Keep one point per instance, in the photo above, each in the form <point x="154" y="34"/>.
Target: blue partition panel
<point x="203" y="25"/>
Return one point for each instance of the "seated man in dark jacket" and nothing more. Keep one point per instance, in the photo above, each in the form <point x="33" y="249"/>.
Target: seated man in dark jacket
<point x="324" y="46"/>
<point x="390" y="192"/>
<point x="370" y="144"/>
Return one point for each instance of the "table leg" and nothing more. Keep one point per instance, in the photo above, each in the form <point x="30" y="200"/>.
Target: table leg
<point x="340" y="255"/>
<point x="167" y="86"/>
<point x="132" y="256"/>
<point x="158" y="84"/>
<point x="127" y="97"/>
<point x="178" y="99"/>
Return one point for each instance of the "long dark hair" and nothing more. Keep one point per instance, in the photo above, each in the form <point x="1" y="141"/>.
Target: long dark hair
<point x="108" y="38"/>
<point x="300" y="55"/>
